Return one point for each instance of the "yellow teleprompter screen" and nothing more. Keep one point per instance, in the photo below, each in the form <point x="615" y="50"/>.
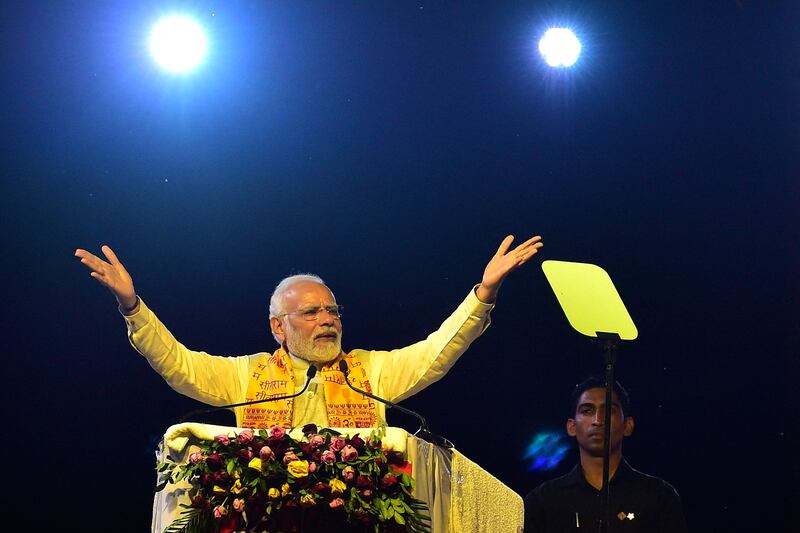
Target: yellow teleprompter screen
<point x="589" y="299"/>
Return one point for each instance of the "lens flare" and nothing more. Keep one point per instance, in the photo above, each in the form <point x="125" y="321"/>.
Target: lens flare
<point x="546" y="451"/>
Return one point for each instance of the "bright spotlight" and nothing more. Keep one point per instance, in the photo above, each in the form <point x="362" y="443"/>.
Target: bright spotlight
<point x="560" y="47"/>
<point x="177" y="43"/>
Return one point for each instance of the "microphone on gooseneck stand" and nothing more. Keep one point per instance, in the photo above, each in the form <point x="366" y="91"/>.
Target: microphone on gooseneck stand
<point x="312" y="371"/>
<point x="423" y="432"/>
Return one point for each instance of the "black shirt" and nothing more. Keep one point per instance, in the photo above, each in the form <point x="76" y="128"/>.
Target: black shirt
<point x="639" y="503"/>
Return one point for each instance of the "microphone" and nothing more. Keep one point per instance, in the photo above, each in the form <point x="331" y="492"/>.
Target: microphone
<point x="423" y="432"/>
<point x="312" y="371"/>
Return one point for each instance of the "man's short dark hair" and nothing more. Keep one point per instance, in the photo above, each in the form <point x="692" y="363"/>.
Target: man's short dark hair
<point x="599" y="382"/>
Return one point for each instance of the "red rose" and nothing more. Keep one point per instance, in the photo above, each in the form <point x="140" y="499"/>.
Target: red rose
<point x="279" y="446"/>
<point x="198" y="502"/>
<point x="206" y="481"/>
<point x="364" y="482"/>
<point x="320" y="487"/>
<point x="389" y="480"/>
<point x="214" y="461"/>
<point x="307" y="449"/>
<point x="221" y="478"/>
<point x="357" y="443"/>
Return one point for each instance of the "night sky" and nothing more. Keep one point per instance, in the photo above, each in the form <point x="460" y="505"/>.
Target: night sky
<point x="389" y="147"/>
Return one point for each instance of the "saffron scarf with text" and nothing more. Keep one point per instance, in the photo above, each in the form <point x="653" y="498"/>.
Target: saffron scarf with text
<point x="274" y="377"/>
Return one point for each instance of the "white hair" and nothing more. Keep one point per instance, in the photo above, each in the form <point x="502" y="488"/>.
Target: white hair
<point x="276" y="304"/>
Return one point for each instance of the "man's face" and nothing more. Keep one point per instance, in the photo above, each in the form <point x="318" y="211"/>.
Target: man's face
<point x="318" y="340"/>
<point x="589" y="422"/>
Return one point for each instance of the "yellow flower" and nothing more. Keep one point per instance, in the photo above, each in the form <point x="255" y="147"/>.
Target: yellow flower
<point x="298" y="468"/>
<point x="307" y="500"/>
<point x="273" y="493"/>
<point x="337" y="486"/>
<point x="255" y="463"/>
<point x="237" y="488"/>
<point x="218" y="490"/>
<point x="285" y="489"/>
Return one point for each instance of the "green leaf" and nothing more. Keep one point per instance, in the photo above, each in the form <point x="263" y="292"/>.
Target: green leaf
<point x="399" y="519"/>
<point x="190" y="520"/>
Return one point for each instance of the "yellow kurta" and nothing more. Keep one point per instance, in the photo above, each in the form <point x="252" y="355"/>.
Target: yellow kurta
<point x="394" y="375"/>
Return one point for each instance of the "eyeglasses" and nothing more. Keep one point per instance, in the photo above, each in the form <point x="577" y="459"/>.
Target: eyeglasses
<point x="312" y="313"/>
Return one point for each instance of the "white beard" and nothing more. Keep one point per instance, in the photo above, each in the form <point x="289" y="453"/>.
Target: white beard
<point x="304" y="348"/>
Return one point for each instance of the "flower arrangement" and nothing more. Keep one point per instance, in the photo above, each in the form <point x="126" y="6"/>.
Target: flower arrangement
<point x="267" y="481"/>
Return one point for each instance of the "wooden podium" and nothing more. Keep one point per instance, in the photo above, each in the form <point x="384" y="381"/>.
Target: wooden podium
<point x="461" y="496"/>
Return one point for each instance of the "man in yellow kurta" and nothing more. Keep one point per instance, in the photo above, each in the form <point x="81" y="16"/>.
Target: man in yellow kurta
<point x="306" y="322"/>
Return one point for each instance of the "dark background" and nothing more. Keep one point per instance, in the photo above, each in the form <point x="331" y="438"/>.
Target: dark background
<point x="389" y="147"/>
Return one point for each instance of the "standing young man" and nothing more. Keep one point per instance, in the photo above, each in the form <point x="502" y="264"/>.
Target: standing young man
<point x="639" y="503"/>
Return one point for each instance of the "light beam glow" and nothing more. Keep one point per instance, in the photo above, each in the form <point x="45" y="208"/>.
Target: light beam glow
<point x="178" y="43"/>
<point x="560" y="47"/>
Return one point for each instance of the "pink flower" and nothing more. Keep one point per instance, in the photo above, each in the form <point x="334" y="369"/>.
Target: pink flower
<point x="337" y="443"/>
<point x="238" y="505"/>
<point x="246" y="436"/>
<point x="277" y="432"/>
<point x="312" y="467"/>
<point x="349" y="453"/>
<point x="289" y="457"/>
<point x="222" y="439"/>
<point x="266" y="454"/>
<point x="328" y="457"/>
<point x="316" y="441"/>
<point x="336" y="503"/>
<point x="220" y="511"/>
<point x="348" y="473"/>
<point x="195" y="457"/>
<point x="366" y="494"/>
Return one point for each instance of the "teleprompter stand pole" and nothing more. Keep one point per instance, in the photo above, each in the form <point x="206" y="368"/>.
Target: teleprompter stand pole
<point x="609" y="343"/>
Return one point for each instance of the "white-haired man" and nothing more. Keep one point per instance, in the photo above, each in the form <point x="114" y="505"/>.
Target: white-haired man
<point x="306" y="321"/>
